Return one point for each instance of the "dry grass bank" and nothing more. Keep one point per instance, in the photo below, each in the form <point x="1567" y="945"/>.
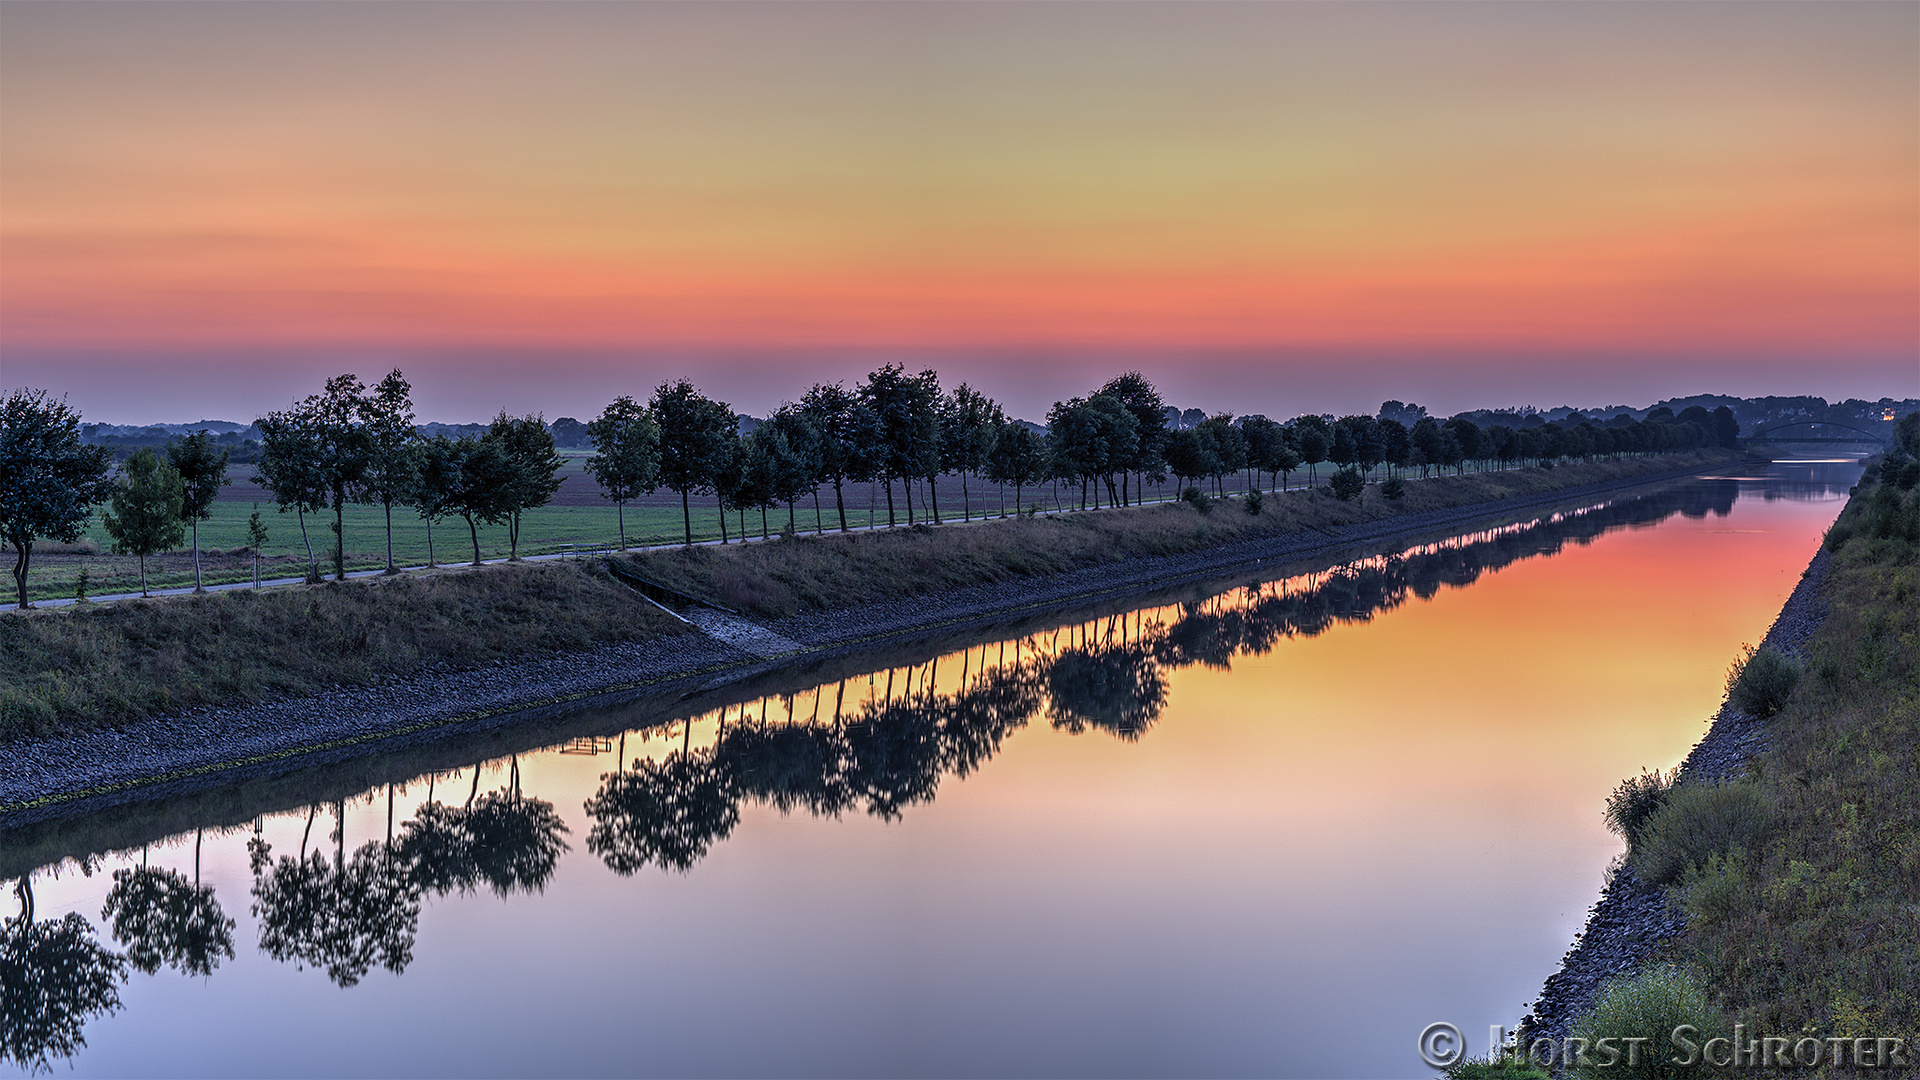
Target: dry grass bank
<point x="812" y="573"/>
<point x="81" y="667"/>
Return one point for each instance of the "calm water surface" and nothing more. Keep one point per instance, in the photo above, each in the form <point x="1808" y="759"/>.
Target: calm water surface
<point x="1273" y="832"/>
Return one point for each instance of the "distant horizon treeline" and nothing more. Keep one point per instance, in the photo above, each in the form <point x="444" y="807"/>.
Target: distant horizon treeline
<point x="243" y="440"/>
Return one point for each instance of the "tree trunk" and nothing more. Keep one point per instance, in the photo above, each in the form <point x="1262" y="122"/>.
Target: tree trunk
<point x="23" y="549"/>
<point x="933" y="496"/>
<point x="513" y="537"/>
<point x="430" y="562"/>
<point x="391" y="569"/>
<point x="966" y="500"/>
<point x="686" y="516"/>
<point x="143" y="574"/>
<point x="622" y="514"/>
<point x="195" y="523"/>
<point x="313" y="564"/>
<point x="818" y="525"/>
<point x="763" y="519"/>
<point x="906" y="483"/>
<point x="839" y="503"/>
<point x="339" y="537"/>
<point x="474" y="531"/>
<point x="889" y="503"/>
<point x="723" y="518"/>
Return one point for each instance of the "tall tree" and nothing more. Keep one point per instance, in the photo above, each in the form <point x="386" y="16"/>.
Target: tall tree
<point x="435" y="472"/>
<point x="387" y="414"/>
<point x="800" y="467"/>
<point x="533" y="465"/>
<point x="52" y="481"/>
<point x="1018" y="457"/>
<point x="697" y="435"/>
<point x="1311" y="435"/>
<point x="626" y="460"/>
<point x="290" y="467"/>
<point x="1149" y="410"/>
<point x="145" y="513"/>
<point x="484" y="487"/>
<point x="1229" y="447"/>
<point x="967" y="425"/>
<point x="203" y="472"/>
<point x="336" y="414"/>
<point x="849" y="438"/>
<point x="906" y="407"/>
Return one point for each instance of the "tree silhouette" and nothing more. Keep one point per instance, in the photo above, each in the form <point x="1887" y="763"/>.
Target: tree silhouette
<point x="513" y="842"/>
<point x="529" y="479"/>
<point x="667" y="812"/>
<point x="162" y="918"/>
<point x="787" y="766"/>
<point x="291" y="468"/>
<point x="53" y="482"/>
<point x="849" y="438"/>
<point x="54" y="977"/>
<point x="626" y="460"/>
<point x="1140" y="398"/>
<point x="696" y="441"/>
<point x="387" y="416"/>
<point x="343" y="917"/>
<point x="1118" y="690"/>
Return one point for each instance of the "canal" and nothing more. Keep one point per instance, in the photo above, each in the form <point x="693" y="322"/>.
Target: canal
<point x="1273" y="828"/>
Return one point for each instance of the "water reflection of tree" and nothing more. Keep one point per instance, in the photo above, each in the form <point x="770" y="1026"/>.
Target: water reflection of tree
<point x="509" y="842"/>
<point x="669" y="811"/>
<point x="54" y="977"/>
<point x="162" y="918"/>
<point x="1118" y="690"/>
<point x="343" y="916"/>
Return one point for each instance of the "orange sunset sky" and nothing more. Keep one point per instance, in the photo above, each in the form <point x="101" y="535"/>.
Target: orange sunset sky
<point x="207" y="208"/>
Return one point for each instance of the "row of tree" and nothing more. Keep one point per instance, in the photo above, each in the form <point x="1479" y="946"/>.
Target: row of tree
<point x="353" y="443"/>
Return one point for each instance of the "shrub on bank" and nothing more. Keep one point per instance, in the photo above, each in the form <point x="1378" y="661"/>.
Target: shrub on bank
<point x="1649" y="1005"/>
<point x="1634" y="802"/>
<point x="1347" y="484"/>
<point x="1696" y="821"/>
<point x="1761" y="680"/>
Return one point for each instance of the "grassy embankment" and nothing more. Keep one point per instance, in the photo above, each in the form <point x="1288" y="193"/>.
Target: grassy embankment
<point x="79" y="667"/>
<point x="1801" y="880"/>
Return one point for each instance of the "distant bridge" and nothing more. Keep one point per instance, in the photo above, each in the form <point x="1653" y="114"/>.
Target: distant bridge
<point x="1769" y="436"/>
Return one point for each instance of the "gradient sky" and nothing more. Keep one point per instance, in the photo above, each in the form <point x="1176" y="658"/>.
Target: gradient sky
<point x="205" y="208"/>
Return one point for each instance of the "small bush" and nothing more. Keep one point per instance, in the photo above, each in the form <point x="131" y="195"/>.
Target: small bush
<point x="1634" y="801"/>
<point x="1695" y="822"/>
<point x="1649" y="1005"/>
<point x="1394" y="488"/>
<point x="1347" y="484"/>
<point x="1198" y="498"/>
<point x="1761" y="680"/>
<point x="1256" y="500"/>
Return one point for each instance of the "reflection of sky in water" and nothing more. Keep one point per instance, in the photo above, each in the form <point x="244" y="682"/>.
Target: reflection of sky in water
<point x="1298" y="864"/>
